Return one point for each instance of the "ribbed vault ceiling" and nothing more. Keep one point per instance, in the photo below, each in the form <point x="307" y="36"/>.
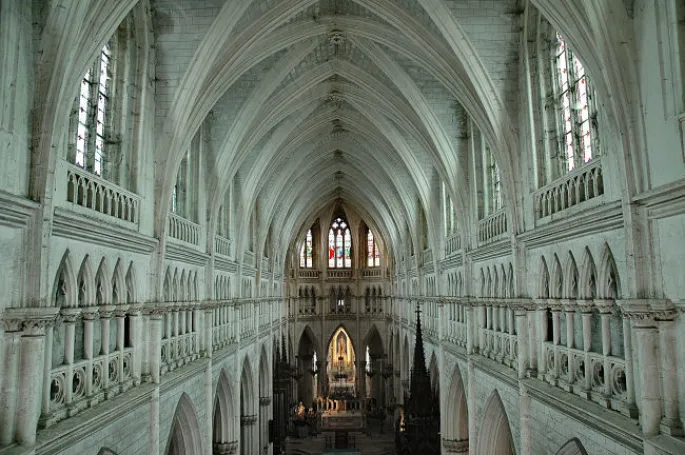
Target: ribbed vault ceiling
<point x="317" y="102"/>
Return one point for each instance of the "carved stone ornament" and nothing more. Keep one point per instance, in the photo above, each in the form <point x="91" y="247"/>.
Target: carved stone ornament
<point x="224" y="448"/>
<point x="89" y="313"/>
<point x="648" y="309"/>
<point x="33" y="321"/>
<point x="264" y="401"/>
<point x="106" y="311"/>
<point x="336" y="37"/>
<point x="70" y="315"/>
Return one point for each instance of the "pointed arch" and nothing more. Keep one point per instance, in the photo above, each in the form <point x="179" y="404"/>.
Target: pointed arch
<point x="544" y="283"/>
<point x="587" y="284"/>
<point x="609" y="282"/>
<point x="167" y="285"/>
<point x="65" y="289"/>
<point x="374" y="341"/>
<point x="511" y="289"/>
<point x="118" y="283"/>
<point x="182" y="295"/>
<point x="488" y="285"/>
<point x="103" y="288"/>
<point x="264" y="374"/>
<point x="434" y="372"/>
<point x="572" y="447"/>
<point x="175" y="286"/>
<point x="349" y="336"/>
<point x="503" y="292"/>
<point x="482" y="283"/>
<point x="185" y="437"/>
<point x="308" y="332"/>
<point x="495" y="433"/>
<point x="457" y="418"/>
<point x="494" y="285"/>
<point x="571" y="277"/>
<point x="224" y="417"/>
<point x="86" y="284"/>
<point x="557" y="290"/>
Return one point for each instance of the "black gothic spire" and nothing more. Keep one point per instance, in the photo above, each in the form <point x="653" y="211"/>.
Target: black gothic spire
<point x="421" y="433"/>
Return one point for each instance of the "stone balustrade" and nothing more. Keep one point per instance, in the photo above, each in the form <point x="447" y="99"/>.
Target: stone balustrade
<point x="222" y="245"/>
<point x="493" y="227"/>
<point x="86" y="190"/>
<point x="184" y="230"/>
<point x="583" y="184"/>
<point x="452" y="244"/>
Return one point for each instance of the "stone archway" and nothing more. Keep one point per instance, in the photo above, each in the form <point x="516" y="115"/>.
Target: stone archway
<point x="495" y="433"/>
<point x="572" y="447"/>
<point x="341" y="355"/>
<point x="223" y="422"/>
<point x="248" y="413"/>
<point x="264" y="401"/>
<point x="455" y="426"/>
<point x="371" y="368"/>
<point x="306" y="351"/>
<point x="185" y="437"/>
<point x="434" y="373"/>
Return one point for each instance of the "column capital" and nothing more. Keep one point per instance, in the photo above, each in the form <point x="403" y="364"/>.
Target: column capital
<point x="70" y="314"/>
<point x="106" y="311"/>
<point x="643" y="310"/>
<point x="605" y="306"/>
<point x="153" y="311"/>
<point x="585" y="306"/>
<point x="569" y="305"/>
<point x="33" y="321"/>
<point x="135" y="309"/>
<point x="89" y="313"/>
<point x="121" y="311"/>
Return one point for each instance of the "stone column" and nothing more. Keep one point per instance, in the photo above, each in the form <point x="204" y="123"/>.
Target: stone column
<point x="586" y="315"/>
<point x="670" y="423"/>
<point x="32" y="345"/>
<point x="469" y="330"/>
<point x="650" y="400"/>
<point x="155" y="345"/>
<point x="8" y="395"/>
<point x="555" y="308"/>
<point x="120" y="314"/>
<point x="106" y="313"/>
<point x="569" y="309"/>
<point x="136" y="341"/>
<point x="69" y="317"/>
<point x="208" y="331"/>
<point x="522" y="329"/>
<point x="89" y="315"/>
<point x="533" y="338"/>
<point x="541" y="318"/>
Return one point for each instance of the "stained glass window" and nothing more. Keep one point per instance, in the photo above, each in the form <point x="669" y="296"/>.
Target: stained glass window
<point x="574" y="93"/>
<point x="373" y="255"/>
<point x="339" y="245"/>
<point x="306" y="251"/>
<point x="93" y="112"/>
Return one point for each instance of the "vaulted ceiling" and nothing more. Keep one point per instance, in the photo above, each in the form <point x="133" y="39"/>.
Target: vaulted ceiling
<point x="311" y="102"/>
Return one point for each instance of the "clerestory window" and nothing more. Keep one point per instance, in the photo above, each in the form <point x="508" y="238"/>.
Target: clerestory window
<point x="306" y="251"/>
<point x="339" y="245"/>
<point x="373" y="254"/>
<point x="93" y="129"/>
<point x="574" y="96"/>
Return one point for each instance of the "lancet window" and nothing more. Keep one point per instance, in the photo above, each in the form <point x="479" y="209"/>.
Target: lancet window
<point x="448" y="214"/>
<point x="306" y="251"/>
<point x="339" y="244"/>
<point x="373" y="254"/>
<point x="185" y="192"/>
<point x="93" y="125"/>
<point x="574" y="96"/>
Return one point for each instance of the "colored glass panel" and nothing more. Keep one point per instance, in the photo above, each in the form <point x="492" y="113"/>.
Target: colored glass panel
<point x="331" y="248"/>
<point x="348" y="248"/>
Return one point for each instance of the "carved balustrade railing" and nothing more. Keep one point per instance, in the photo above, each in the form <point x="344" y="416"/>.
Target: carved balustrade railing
<point x="222" y="245"/>
<point x="223" y="324"/>
<point x="583" y="184"/>
<point x="452" y="244"/>
<point x="493" y="227"/>
<point x="87" y="191"/>
<point x="184" y="230"/>
<point x="180" y="337"/>
<point x="372" y="272"/>
<point x="344" y="274"/>
<point x="308" y="274"/>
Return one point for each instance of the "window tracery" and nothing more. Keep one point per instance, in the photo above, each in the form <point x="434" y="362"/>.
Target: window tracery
<point x="373" y="255"/>
<point x="339" y="245"/>
<point x="306" y="251"/>
<point x="574" y="95"/>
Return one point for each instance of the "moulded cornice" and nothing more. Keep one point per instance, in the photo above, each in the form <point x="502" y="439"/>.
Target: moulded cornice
<point x="15" y="210"/>
<point x="68" y="224"/>
<point x="606" y="217"/>
<point x="187" y="255"/>
<point x="665" y="200"/>
<point x="225" y="264"/>
<point x="493" y="250"/>
<point x="456" y="260"/>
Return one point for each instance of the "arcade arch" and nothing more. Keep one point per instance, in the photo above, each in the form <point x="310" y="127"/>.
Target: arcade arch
<point x="223" y="421"/>
<point x="185" y="437"/>
<point x="495" y="434"/>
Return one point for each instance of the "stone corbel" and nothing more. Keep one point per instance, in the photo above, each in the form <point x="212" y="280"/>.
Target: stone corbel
<point x="224" y="448"/>
<point x="264" y="401"/>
